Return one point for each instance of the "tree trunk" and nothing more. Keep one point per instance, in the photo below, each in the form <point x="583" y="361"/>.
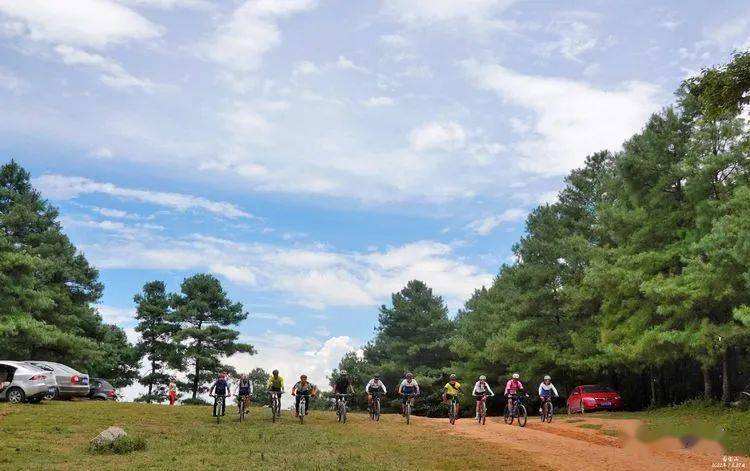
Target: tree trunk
<point x="151" y="381"/>
<point x="195" y="379"/>
<point x="707" y="393"/>
<point x="652" y="380"/>
<point x="726" y="393"/>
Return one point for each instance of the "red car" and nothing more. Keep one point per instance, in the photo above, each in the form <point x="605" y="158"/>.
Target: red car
<point x="593" y="397"/>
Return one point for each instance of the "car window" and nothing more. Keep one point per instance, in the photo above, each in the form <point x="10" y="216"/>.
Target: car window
<point x="65" y="368"/>
<point x="41" y="366"/>
<point x="597" y="389"/>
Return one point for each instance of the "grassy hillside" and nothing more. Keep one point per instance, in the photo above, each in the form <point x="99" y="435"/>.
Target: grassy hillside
<point x="56" y="435"/>
<point x="730" y="427"/>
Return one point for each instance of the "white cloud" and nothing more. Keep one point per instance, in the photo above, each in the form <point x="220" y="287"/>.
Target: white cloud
<point x="102" y="153"/>
<point x="730" y="34"/>
<point x="294" y="356"/>
<point x="394" y="40"/>
<point x="436" y="135"/>
<point x="310" y="276"/>
<point x="173" y="4"/>
<point x="347" y="64"/>
<point x="11" y="82"/>
<point x="486" y="225"/>
<point x="116" y="315"/>
<point x="114" y="75"/>
<point x="280" y="320"/>
<point x="416" y="12"/>
<point x="251" y="31"/>
<point x="305" y="68"/>
<point x="575" y="38"/>
<point x="572" y="119"/>
<point x="249" y="125"/>
<point x="93" y="23"/>
<point x="379" y="101"/>
<point x="62" y="187"/>
<point x="234" y="273"/>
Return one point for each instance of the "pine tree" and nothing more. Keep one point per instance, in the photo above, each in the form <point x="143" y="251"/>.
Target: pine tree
<point x="205" y="313"/>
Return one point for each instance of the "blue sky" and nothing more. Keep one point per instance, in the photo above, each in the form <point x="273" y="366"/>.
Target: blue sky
<point x="316" y="155"/>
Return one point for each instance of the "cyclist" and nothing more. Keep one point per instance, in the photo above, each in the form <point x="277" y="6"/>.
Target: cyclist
<point x="275" y="384"/>
<point x="302" y="390"/>
<point x="342" y="385"/>
<point x="451" y="390"/>
<point x="408" y="387"/>
<point x="220" y="389"/>
<point x="374" y="386"/>
<point x="546" y="390"/>
<point x="512" y="388"/>
<point x="243" y="391"/>
<point x="481" y="391"/>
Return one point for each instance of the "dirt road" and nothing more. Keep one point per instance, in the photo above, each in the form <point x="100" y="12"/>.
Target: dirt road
<point x="588" y="443"/>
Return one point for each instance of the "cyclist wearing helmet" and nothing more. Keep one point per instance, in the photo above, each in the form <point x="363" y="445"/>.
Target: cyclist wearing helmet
<point x="243" y="390"/>
<point x="512" y="388"/>
<point x="374" y="386"/>
<point x="546" y="390"/>
<point x="406" y="389"/>
<point x="451" y="390"/>
<point x="303" y="389"/>
<point x="275" y="384"/>
<point x="342" y="385"/>
<point x="481" y="391"/>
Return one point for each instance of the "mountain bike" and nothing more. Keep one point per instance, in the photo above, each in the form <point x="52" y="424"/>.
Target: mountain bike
<point x="242" y="407"/>
<point x="275" y="404"/>
<point x="408" y="406"/>
<point x="341" y="410"/>
<point x="547" y="410"/>
<point x="220" y="403"/>
<point x="375" y="407"/>
<point x="302" y="407"/>
<point x="453" y="409"/>
<point x="518" y="411"/>
<point x="482" y="408"/>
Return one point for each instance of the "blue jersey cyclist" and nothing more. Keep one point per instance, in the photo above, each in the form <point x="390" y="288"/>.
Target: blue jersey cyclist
<point x="407" y="389"/>
<point x="220" y="389"/>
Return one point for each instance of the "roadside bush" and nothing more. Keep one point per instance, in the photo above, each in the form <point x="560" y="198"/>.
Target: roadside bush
<point x="195" y="402"/>
<point x="120" y="446"/>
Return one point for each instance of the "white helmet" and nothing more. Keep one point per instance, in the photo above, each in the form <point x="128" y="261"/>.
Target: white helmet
<point x="516" y="376"/>
<point x="547" y="377"/>
<point x="483" y="378"/>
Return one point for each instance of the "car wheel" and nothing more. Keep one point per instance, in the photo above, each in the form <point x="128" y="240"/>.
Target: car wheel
<point x="53" y="395"/>
<point x="100" y="398"/>
<point x="15" y="395"/>
<point x="583" y="410"/>
<point x="570" y="411"/>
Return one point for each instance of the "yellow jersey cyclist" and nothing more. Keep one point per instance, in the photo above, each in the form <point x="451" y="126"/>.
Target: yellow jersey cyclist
<point x="451" y="390"/>
<point x="275" y="384"/>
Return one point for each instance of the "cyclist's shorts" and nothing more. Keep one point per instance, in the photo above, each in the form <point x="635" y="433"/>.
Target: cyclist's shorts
<point x="275" y="389"/>
<point x="405" y="398"/>
<point x="375" y="391"/>
<point x="481" y="395"/>
<point x="545" y="394"/>
<point x="450" y="397"/>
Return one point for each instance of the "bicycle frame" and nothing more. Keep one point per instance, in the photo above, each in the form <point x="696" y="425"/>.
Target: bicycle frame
<point x="275" y="403"/>
<point x="219" y="406"/>
<point x="341" y="411"/>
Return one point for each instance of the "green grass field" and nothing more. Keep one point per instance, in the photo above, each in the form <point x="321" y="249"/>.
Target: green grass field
<point x="55" y="435"/>
<point x="730" y="427"/>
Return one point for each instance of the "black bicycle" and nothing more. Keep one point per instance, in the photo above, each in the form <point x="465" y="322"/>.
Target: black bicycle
<point x="453" y="409"/>
<point x="408" y="406"/>
<point x="275" y="404"/>
<point x="341" y="409"/>
<point x="517" y="411"/>
<point x="220" y="404"/>
<point x="375" y="406"/>
<point x="242" y="405"/>
<point x="547" y="410"/>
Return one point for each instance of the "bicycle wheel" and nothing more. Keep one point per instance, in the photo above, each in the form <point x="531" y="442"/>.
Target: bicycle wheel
<point x="302" y="411"/>
<point x="549" y="412"/>
<point x="242" y="410"/>
<point x="507" y="416"/>
<point x="452" y="413"/>
<point x="377" y="410"/>
<point x="484" y="414"/>
<point x="522" y="415"/>
<point x="408" y="413"/>
<point x="343" y="413"/>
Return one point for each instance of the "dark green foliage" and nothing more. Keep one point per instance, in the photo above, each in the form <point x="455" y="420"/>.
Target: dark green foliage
<point x="47" y="289"/>
<point x="157" y="327"/>
<point x="205" y="314"/>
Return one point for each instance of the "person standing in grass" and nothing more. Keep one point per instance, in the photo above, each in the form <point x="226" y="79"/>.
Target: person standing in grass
<point x="172" y="394"/>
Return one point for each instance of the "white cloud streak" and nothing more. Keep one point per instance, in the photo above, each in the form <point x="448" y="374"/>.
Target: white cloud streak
<point x="63" y="187"/>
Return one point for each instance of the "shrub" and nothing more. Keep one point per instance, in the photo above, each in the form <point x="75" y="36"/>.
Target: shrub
<point x="120" y="446"/>
<point x="195" y="402"/>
